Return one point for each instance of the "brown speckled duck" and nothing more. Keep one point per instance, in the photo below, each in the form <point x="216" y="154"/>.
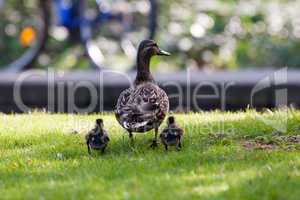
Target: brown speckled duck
<point x="172" y="134"/>
<point x="97" y="138"/>
<point x="144" y="106"/>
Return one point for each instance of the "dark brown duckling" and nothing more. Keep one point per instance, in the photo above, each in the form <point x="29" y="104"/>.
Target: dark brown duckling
<point x="172" y="135"/>
<point x="144" y="106"/>
<point x="97" y="138"/>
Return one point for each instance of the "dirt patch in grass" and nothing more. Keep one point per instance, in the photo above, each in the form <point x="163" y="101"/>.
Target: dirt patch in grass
<point x="290" y="142"/>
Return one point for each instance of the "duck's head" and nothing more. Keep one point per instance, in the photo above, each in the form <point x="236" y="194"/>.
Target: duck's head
<point x="171" y="120"/>
<point x="99" y="122"/>
<point x="149" y="48"/>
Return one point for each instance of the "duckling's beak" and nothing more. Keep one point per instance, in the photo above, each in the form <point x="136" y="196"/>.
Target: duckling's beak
<point x="163" y="53"/>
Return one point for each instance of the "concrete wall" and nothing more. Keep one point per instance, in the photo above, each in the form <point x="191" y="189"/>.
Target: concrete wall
<point x="54" y="91"/>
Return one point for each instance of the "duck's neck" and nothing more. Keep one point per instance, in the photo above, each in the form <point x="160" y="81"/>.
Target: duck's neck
<point x="99" y="130"/>
<point x="143" y="70"/>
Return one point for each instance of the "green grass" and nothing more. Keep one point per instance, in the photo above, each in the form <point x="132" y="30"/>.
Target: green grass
<point x="42" y="158"/>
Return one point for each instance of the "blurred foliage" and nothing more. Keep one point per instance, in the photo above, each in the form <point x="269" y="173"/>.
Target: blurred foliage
<point x="232" y="34"/>
<point x="214" y="34"/>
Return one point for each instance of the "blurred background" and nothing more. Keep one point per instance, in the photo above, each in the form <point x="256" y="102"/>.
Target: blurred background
<point x="238" y="41"/>
<point x="201" y="34"/>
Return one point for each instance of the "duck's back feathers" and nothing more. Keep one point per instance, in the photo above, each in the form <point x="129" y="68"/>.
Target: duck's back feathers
<point x="172" y="130"/>
<point x="140" y="108"/>
<point x="97" y="138"/>
<point x="171" y="135"/>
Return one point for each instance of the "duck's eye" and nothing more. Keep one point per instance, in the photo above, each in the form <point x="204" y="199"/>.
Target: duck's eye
<point x="152" y="45"/>
<point x="149" y="48"/>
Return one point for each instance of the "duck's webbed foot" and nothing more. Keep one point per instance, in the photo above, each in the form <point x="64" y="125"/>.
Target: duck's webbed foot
<point x="178" y="147"/>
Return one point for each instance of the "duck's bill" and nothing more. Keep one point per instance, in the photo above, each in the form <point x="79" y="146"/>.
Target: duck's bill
<point x="163" y="53"/>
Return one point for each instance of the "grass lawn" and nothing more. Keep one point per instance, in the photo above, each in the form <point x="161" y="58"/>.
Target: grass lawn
<point x="224" y="156"/>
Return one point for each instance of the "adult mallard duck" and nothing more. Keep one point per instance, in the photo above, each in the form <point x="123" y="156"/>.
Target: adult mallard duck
<point x="172" y="134"/>
<point x="97" y="138"/>
<point x="144" y="106"/>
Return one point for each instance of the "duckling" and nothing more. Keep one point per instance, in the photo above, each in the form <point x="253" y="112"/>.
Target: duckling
<point x="143" y="107"/>
<point x="97" y="138"/>
<point x="171" y="135"/>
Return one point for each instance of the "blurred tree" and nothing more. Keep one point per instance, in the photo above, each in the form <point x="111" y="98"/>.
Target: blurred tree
<point x="231" y="34"/>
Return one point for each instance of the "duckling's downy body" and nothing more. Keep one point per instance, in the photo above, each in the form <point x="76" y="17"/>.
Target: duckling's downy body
<point x="171" y="135"/>
<point x="144" y="106"/>
<point x="97" y="138"/>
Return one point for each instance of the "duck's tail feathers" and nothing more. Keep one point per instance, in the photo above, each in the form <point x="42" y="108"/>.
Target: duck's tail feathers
<point x="149" y="107"/>
<point x="135" y="125"/>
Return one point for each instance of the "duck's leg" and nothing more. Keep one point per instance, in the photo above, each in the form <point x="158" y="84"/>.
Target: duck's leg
<point x="88" y="146"/>
<point x="166" y="147"/>
<point x="154" y="143"/>
<point x="131" y="137"/>
<point x="103" y="150"/>
<point x="178" y="146"/>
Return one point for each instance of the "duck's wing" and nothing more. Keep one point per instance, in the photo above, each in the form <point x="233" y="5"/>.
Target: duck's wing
<point x="123" y="98"/>
<point x="164" y="132"/>
<point x="180" y="131"/>
<point x="105" y="137"/>
<point x="87" y="136"/>
<point x="91" y="132"/>
<point x="142" y="105"/>
<point x="176" y="130"/>
<point x="149" y="98"/>
<point x="125" y="110"/>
